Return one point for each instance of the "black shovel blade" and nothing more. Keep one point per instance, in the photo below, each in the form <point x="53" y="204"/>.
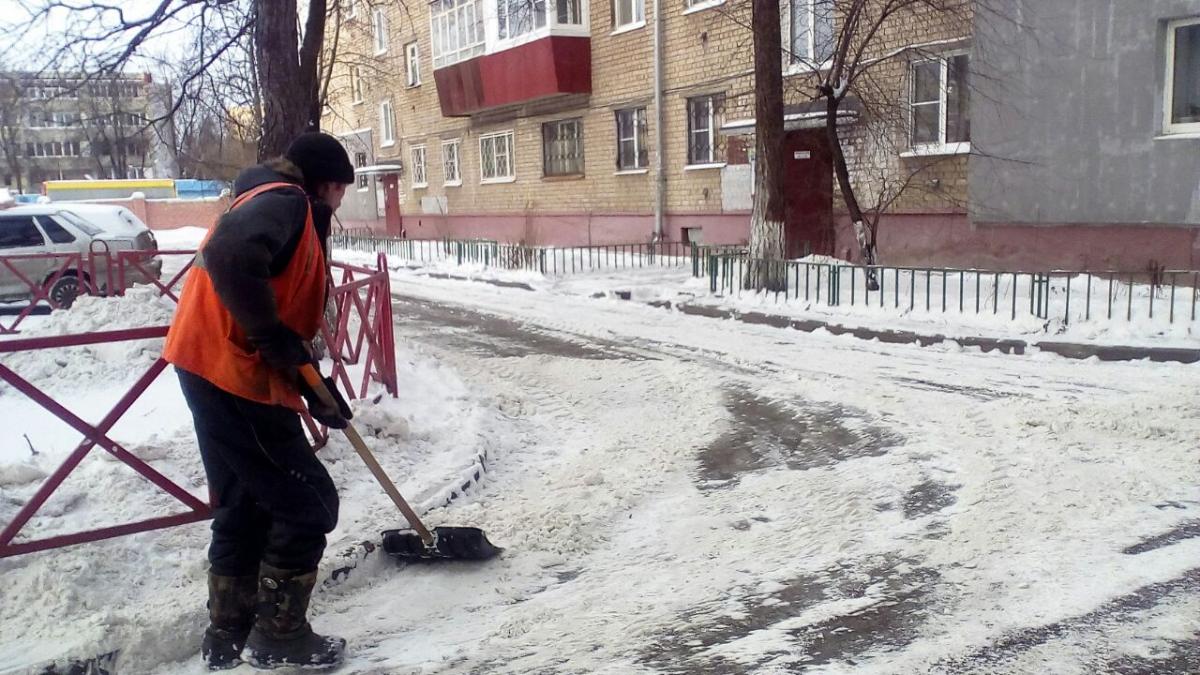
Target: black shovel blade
<point x="449" y="543"/>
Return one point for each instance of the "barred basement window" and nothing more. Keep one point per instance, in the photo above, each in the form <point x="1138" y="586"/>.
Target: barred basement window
<point x="496" y="158"/>
<point x="631" y="139"/>
<point x="419" y="177"/>
<point x="562" y="148"/>
<point x="450" y="164"/>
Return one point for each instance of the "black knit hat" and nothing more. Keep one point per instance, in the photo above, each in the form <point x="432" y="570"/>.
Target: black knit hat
<point x="322" y="158"/>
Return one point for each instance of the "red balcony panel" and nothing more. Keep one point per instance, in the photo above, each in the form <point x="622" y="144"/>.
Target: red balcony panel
<point x="544" y="68"/>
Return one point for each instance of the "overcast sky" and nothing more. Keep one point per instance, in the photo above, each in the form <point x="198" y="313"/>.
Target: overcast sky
<point x="26" y="44"/>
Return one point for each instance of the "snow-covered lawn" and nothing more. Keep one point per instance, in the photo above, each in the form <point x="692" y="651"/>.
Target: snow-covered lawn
<point x="963" y="304"/>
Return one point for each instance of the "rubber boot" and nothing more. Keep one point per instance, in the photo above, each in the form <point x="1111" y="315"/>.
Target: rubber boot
<point x="231" y="603"/>
<point x="281" y="636"/>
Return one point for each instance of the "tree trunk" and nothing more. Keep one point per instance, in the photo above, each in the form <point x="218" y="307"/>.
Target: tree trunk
<point x="287" y="77"/>
<point x="864" y="231"/>
<point x="767" y="245"/>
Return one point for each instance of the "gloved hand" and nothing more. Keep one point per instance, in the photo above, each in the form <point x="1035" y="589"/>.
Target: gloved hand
<point x="337" y="416"/>
<point x="281" y="348"/>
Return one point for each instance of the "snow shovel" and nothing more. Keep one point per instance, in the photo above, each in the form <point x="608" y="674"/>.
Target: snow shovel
<point x="419" y="543"/>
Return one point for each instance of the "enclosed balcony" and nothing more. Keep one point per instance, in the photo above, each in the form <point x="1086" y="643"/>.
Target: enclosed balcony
<point x="492" y="54"/>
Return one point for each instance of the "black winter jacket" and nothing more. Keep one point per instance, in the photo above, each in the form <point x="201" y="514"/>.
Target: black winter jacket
<point x="256" y="242"/>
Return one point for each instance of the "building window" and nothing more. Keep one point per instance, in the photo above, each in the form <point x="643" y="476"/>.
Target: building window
<point x="702" y="129"/>
<point x="350" y="8"/>
<point x="456" y="27"/>
<point x="1183" y="77"/>
<point x="450" y="163"/>
<point x="562" y="148"/>
<point x="518" y="17"/>
<point x="412" y="63"/>
<point x="387" y="125"/>
<point x="631" y="139"/>
<point x="356" y="85"/>
<point x="939" y="117"/>
<point x="362" y="180"/>
<point x="628" y="13"/>
<point x="419" y="177"/>
<point x="570" y="13"/>
<point x="812" y="37"/>
<point x="496" y="158"/>
<point x="379" y="30"/>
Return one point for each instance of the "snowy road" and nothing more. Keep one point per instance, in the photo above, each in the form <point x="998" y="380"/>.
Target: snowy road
<point x="678" y="494"/>
<point x="682" y="495"/>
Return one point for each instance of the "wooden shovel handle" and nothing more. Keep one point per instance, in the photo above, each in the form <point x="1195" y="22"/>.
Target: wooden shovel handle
<point x="314" y="381"/>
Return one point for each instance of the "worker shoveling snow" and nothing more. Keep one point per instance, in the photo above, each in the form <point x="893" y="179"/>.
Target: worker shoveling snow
<point x="140" y="598"/>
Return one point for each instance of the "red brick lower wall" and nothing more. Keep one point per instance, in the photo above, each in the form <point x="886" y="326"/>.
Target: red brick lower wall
<point x="569" y="229"/>
<point x="169" y="214"/>
<point x="952" y="240"/>
<point x="925" y="239"/>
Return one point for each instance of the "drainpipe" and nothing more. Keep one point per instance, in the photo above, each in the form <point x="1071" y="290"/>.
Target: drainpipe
<point x="660" y="178"/>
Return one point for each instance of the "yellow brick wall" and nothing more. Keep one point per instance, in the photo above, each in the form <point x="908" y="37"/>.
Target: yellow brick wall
<point x="707" y="52"/>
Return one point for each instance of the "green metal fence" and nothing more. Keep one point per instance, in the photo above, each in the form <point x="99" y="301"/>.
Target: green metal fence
<point x="549" y="260"/>
<point x="1168" y="296"/>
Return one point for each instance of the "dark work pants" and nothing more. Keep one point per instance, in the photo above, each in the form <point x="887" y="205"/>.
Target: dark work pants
<point x="275" y="502"/>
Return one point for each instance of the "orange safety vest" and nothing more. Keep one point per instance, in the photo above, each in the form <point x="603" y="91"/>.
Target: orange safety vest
<point x="205" y="340"/>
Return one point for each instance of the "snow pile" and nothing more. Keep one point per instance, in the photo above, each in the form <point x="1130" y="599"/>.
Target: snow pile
<point x="140" y="307"/>
<point x="181" y="238"/>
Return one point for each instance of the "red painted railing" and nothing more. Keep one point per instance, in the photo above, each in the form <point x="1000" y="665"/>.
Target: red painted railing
<point x="362" y="334"/>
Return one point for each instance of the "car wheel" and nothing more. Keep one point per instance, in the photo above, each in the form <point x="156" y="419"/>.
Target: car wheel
<point x="64" y="291"/>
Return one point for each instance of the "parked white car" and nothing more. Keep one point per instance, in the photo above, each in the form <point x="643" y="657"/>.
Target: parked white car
<point x="51" y="228"/>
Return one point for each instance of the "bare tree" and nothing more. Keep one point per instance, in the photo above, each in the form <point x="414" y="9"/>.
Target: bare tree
<point x="863" y="67"/>
<point x="10" y="128"/>
<point x="99" y="38"/>
<point x="767" y="220"/>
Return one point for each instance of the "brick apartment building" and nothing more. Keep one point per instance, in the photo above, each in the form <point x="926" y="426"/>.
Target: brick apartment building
<point x="536" y="121"/>
<point x="66" y="128"/>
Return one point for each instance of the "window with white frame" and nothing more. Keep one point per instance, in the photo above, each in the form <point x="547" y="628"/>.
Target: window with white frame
<point x="702" y="129"/>
<point x="456" y="28"/>
<point x="518" y="17"/>
<point x="412" y="63"/>
<point x="350" y="8"/>
<point x="379" y="30"/>
<point x="939" y="118"/>
<point x="562" y="148"/>
<point x="362" y="180"/>
<point x="356" y="85"/>
<point x="570" y="12"/>
<point x="631" y="139"/>
<point x="420" y="178"/>
<point x="496" y="158"/>
<point x="387" y="125"/>
<point x="628" y="13"/>
<point x="1182" y="90"/>
<point x="450" y="165"/>
<point x="811" y="30"/>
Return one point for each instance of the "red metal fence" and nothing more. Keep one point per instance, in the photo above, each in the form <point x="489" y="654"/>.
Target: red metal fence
<point x="361" y="335"/>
